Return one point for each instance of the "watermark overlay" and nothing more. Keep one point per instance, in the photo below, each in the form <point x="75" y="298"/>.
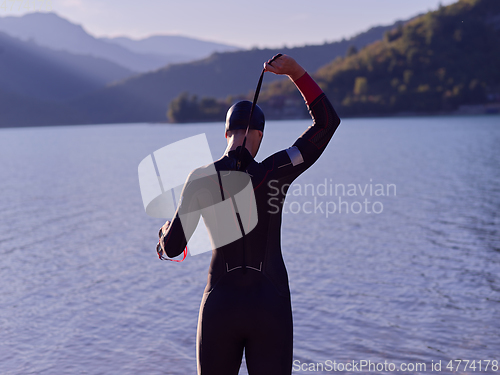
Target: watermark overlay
<point x="225" y="199"/>
<point x="33" y="5"/>
<point x="329" y="198"/>
<point x="456" y="365"/>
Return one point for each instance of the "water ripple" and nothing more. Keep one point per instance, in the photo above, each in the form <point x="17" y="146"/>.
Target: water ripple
<point x="83" y="292"/>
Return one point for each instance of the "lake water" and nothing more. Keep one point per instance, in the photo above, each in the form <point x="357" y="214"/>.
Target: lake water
<point x="83" y="292"/>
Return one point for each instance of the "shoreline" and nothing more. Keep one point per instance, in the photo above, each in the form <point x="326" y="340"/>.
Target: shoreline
<point x="471" y="111"/>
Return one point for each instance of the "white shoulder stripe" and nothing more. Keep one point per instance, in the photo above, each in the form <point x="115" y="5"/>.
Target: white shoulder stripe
<point x="294" y="155"/>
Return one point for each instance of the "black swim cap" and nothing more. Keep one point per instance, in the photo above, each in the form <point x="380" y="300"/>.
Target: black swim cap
<point x="237" y="117"/>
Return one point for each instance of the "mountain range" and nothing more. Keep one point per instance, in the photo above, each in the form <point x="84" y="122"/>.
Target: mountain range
<point x="52" y="31"/>
<point x="175" y="48"/>
<point x="127" y="96"/>
<point x="33" y="71"/>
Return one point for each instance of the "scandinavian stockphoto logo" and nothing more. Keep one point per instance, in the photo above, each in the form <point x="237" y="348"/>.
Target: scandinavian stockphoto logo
<point x="224" y="199"/>
<point x="317" y="198"/>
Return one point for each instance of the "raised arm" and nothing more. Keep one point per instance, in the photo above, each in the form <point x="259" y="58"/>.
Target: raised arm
<point x="175" y="234"/>
<point x="311" y="144"/>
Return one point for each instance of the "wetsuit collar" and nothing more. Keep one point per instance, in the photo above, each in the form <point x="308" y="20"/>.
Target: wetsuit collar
<point x="245" y="157"/>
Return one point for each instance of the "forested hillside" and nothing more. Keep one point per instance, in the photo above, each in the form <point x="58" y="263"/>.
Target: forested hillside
<point x="434" y="63"/>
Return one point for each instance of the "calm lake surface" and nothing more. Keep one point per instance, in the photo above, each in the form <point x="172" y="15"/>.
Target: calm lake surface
<point x="83" y="292"/>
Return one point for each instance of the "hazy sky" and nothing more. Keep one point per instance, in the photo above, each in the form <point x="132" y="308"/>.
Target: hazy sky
<point x="271" y="23"/>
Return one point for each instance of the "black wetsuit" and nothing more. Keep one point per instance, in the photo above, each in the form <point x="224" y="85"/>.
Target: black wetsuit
<point x="246" y="304"/>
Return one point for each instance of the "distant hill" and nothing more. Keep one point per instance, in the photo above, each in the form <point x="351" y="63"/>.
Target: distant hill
<point x="176" y="48"/>
<point x="50" y="30"/>
<point x="146" y="97"/>
<point x="435" y="63"/>
<point x="37" y="72"/>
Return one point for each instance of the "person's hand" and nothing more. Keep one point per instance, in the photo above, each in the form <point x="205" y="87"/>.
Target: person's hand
<point x="285" y="65"/>
<point x="164" y="228"/>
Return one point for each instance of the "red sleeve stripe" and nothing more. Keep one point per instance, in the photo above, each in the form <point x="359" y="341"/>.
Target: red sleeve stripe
<point x="308" y="88"/>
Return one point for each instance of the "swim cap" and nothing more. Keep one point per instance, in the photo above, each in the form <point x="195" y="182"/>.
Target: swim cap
<point x="237" y="117"/>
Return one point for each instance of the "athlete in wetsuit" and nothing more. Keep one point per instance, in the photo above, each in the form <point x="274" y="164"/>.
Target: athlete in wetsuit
<point x="246" y="304"/>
